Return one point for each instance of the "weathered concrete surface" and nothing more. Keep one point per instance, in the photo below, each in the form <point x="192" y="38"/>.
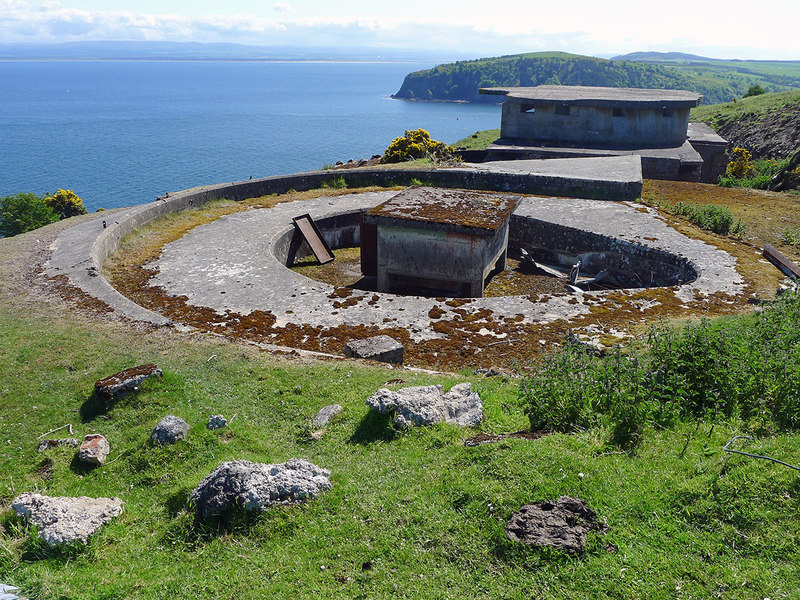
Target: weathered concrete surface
<point x="380" y="347"/>
<point x="234" y="255"/>
<point x="596" y="116"/>
<point x="428" y="404"/>
<point x="62" y="519"/>
<point x="257" y="486"/>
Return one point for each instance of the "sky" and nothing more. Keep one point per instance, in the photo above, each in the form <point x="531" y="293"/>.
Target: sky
<point x="731" y="29"/>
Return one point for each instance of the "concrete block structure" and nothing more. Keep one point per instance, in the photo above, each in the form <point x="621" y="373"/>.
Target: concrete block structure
<point x="554" y="121"/>
<point x="439" y="241"/>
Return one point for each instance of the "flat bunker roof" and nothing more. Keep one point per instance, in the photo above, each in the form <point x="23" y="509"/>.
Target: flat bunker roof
<point x="451" y="209"/>
<point x="599" y="96"/>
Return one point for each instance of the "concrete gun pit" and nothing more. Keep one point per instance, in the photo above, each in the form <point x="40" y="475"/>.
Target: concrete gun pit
<point x="233" y="277"/>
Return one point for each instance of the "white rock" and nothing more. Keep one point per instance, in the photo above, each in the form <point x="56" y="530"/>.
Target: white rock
<point x="425" y="405"/>
<point x="64" y="519"/>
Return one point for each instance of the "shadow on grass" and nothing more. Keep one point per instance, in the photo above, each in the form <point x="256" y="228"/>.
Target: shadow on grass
<point x="189" y="533"/>
<point x="92" y="407"/>
<point x="374" y="427"/>
<point x="79" y="467"/>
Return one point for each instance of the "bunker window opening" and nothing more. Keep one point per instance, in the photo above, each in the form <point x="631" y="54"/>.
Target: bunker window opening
<point x="562" y="109"/>
<point x="617" y="112"/>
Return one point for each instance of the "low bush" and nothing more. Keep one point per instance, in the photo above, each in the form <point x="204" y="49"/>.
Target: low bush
<point x="712" y="217"/>
<point x="414" y="145"/>
<point x="66" y="203"/>
<point x="746" y="367"/>
<point x="24" y="212"/>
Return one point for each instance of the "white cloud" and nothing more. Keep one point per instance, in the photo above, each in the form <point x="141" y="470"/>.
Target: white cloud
<point x="472" y="30"/>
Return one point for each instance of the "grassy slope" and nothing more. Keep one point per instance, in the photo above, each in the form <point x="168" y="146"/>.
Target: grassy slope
<point x="415" y="515"/>
<point x="717" y="115"/>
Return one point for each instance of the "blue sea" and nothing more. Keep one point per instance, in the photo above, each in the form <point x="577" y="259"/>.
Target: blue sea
<point x="122" y="133"/>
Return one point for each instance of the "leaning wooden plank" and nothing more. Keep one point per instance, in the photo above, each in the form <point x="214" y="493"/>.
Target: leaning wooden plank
<point x="305" y="224"/>
<point x="777" y="258"/>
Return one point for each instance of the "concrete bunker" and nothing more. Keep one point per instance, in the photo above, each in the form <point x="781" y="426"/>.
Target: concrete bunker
<point x="578" y="259"/>
<point x="555" y="121"/>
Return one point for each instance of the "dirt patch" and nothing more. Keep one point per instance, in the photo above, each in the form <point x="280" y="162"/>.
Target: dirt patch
<point x="564" y="524"/>
<point x="488" y="438"/>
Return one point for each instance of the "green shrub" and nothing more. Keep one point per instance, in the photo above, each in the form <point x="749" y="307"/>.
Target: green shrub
<point x="711" y="217"/>
<point x="416" y="144"/>
<point x="746" y="367"/>
<point x="791" y="236"/>
<point x="334" y="183"/>
<point x="754" y="90"/>
<point x="66" y="203"/>
<point x="24" y="212"/>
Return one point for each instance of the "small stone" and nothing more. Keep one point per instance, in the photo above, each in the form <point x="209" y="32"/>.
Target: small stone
<point x="380" y="347"/>
<point x="169" y="430"/>
<point x="63" y="519"/>
<point x="324" y="416"/>
<point x="428" y="404"/>
<point x="123" y="383"/>
<point x="47" y="444"/>
<point x="257" y="486"/>
<point x="94" y="449"/>
<point x="217" y="422"/>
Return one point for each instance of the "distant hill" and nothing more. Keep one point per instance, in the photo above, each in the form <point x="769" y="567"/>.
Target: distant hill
<point x="718" y="80"/>
<point x="659" y="57"/>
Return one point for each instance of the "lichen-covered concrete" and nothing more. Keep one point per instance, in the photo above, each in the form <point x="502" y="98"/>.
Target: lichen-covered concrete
<point x="228" y="265"/>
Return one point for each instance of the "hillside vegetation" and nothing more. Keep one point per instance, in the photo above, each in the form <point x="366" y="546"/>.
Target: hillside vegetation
<point x="767" y="125"/>
<point x="717" y="80"/>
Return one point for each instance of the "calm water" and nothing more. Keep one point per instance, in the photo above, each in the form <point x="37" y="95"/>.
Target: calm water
<point x="121" y="133"/>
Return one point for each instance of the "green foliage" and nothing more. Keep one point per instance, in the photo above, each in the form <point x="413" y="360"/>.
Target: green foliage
<point x="754" y="90"/>
<point x="334" y="183"/>
<point x="24" y="212"/>
<point x="717" y="81"/>
<point x="66" y="203"/>
<point x="759" y="174"/>
<point x="712" y="217"/>
<point x="416" y="144"/>
<point x="741" y="164"/>
<point x="478" y="140"/>
<point x="791" y="236"/>
<point x="746" y="367"/>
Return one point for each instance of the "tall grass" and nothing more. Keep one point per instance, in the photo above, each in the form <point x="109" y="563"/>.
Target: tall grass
<point x="746" y="367"/>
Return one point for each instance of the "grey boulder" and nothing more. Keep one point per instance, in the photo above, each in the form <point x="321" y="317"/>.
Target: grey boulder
<point x="325" y="414"/>
<point x="64" y="519"/>
<point x="257" y="486"/>
<point x="169" y="430"/>
<point x="428" y="404"/>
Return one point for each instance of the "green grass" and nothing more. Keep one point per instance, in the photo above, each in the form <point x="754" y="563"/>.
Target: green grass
<point x="411" y="514"/>
<point x="717" y="115"/>
<point x="479" y="140"/>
